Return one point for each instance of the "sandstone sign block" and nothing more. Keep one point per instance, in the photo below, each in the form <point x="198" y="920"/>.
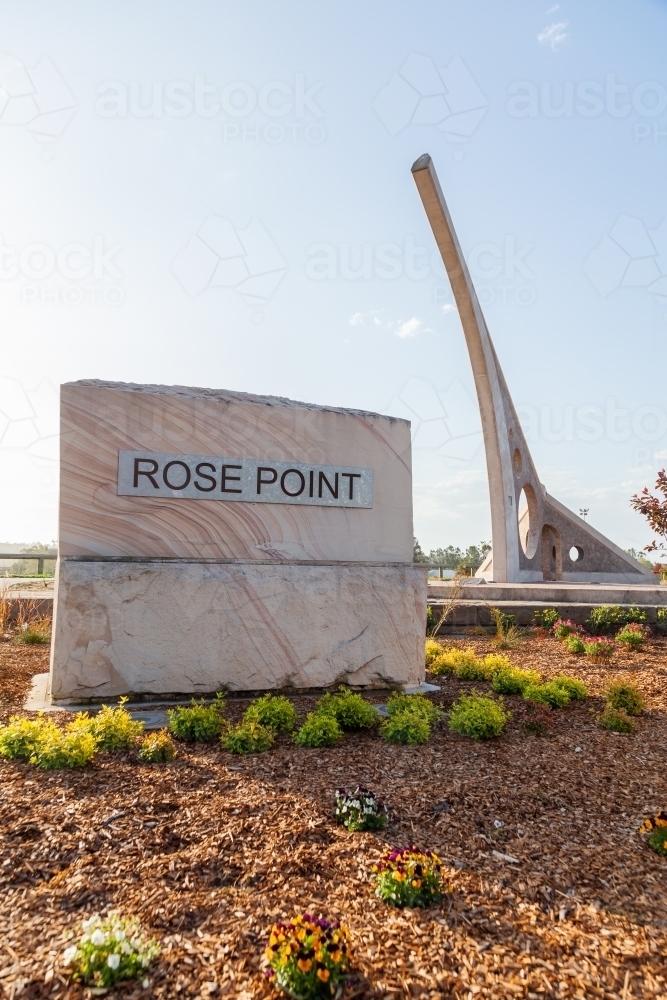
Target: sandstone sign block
<point x="213" y="539"/>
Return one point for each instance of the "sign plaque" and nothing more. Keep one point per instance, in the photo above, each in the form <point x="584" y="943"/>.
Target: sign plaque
<point x="252" y="480"/>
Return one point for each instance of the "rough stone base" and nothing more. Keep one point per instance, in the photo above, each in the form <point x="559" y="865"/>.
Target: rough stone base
<point x="173" y="626"/>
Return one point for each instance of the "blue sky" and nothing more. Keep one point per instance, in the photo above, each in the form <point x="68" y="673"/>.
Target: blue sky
<point x="219" y="194"/>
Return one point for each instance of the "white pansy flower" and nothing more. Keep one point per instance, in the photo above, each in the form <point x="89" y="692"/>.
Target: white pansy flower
<point x="120" y="935"/>
<point x="69" y="955"/>
<point x="145" y="983"/>
<point x="113" y="961"/>
<point x="97" y="937"/>
<point x="125" y="948"/>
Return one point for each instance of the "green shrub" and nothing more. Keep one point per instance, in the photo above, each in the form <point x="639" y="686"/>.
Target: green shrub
<point x="111" y="728"/>
<point x="616" y="720"/>
<point x="576" y="689"/>
<point x="477" y="671"/>
<point x="319" y="730"/>
<point x="575" y="644"/>
<point x="57" y="748"/>
<point x="625" y="696"/>
<point x="248" y="736"/>
<point x="477" y="716"/>
<point x="198" y="722"/>
<point x="546" y="618"/>
<point x="496" y="661"/>
<point x="565" y="627"/>
<point x="35" y="633"/>
<point x="550" y="694"/>
<point x="157" y="748"/>
<point x="111" y="949"/>
<point x="609" y="617"/>
<point x="661" y="616"/>
<point x="536" y="717"/>
<point x="633" y="635"/>
<point x="502" y="620"/>
<point x="432" y="651"/>
<point x="416" y="704"/>
<point x="349" y="709"/>
<point x="599" y="648"/>
<point x="20" y="736"/>
<point x="272" y="710"/>
<point x="512" y="680"/>
<point x="451" y="658"/>
<point x="507" y="634"/>
<point x="405" y="727"/>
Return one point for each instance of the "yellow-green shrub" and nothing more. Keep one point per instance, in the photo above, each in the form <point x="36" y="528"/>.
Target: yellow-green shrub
<point x="157" y="748"/>
<point x="494" y="661"/>
<point x="249" y="736"/>
<point x="432" y="651"/>
<point x="477" y="716"/>
<point x="111" y="728"/>
<point x="197" y="722"/>
<point x="625" y="696"/>
<point x="272" y="710"/>
<point x="453" y="660"/>
<point x="512" y="680"/>
<point x="575" y="688"/>
<point x="20" y="736"/>
<point x="58" y="748"/>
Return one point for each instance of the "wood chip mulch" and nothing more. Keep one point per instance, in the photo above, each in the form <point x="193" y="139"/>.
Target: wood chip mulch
<point x="208" y="851"/>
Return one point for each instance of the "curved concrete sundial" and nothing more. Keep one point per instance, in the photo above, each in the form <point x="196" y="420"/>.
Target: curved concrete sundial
<point x="544" y="541"/>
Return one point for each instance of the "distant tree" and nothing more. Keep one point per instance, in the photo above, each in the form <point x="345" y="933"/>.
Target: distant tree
<point x="453" y="557"/>
<point x="640" y="557"/>
<point x="418" y="555"/>
<point x="28" y="567"/>
<point x="450" y="557"/>
<point x="654" y="510"/>
<point x="474" y="556"/>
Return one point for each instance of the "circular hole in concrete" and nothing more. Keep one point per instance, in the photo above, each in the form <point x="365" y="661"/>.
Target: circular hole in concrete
<point x="517" y="462"/>
<point x="576" y="553"/>
<point x="527" y="513"/>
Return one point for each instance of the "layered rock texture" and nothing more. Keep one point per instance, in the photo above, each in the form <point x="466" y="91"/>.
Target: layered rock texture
<point x="173" y="594"/>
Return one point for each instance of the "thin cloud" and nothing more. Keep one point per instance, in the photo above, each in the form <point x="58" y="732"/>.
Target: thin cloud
<point x="555" y="7"/>
<point x="553" y="35"/>
<point x="359" y="319"/>
<point x="448" y="308"/>
<point x="410" y="328"/>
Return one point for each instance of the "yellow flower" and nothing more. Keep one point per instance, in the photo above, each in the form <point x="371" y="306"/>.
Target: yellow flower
<point x="660" y="822"/>
<point x="323" y="974"/>
<point x="399" y="876"/>
<point x="305" y="964"/>
<point x="417" y="882"/>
